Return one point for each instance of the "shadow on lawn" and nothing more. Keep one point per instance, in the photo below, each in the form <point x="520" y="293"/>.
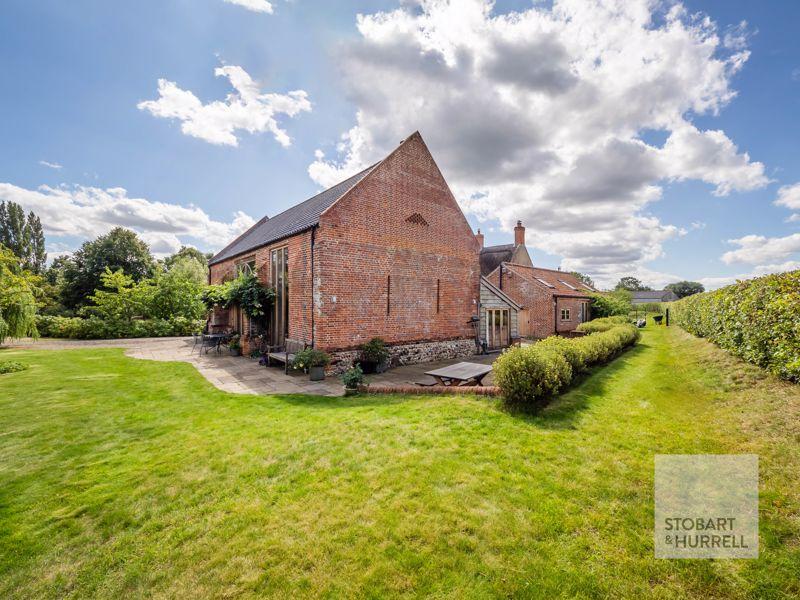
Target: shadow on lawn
<point x="563" y="411"/>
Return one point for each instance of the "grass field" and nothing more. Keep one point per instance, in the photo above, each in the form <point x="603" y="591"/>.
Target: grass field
<point x="125" y="478"/>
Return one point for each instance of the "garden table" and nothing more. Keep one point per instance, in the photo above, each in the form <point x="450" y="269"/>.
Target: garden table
<point x="461" y="374"/>
<point x="214" y="340"/>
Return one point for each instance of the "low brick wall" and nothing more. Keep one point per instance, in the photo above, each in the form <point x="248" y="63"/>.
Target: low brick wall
<point x="409" y="354"/>
<point x="436" y="390"/>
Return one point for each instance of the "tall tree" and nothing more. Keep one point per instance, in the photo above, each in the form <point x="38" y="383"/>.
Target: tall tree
<point x="38" y="254"/>
<point x="120" y="249"/>
<point x="632" y="284"/>
<point x="686" y="288"/>
<point x="188" y="252"/>
<point x="23" y="236"/>
<point x="18" y="293"/>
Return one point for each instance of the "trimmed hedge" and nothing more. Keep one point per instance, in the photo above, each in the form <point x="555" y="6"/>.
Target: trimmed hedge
<point x="529" y="375"/>
<point x="603" y="324"/>
<point x="96" y="329"/>
<point x="757" y="320"/>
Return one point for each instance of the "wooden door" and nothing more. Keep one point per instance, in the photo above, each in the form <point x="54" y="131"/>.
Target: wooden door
<point x="524" y="323"/>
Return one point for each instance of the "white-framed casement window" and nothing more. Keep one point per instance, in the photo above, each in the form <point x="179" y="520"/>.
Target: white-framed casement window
<point x="565" y="314"/>
<point x="246" y="266"/>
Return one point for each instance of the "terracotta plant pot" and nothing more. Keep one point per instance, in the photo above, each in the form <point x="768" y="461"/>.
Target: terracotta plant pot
<point x="350" y="391"/>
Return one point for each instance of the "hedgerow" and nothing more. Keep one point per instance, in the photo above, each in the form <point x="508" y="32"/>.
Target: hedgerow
<point x="94" y="328"/>
<point x="757" y="320"/>
<point x="528" y="376"/>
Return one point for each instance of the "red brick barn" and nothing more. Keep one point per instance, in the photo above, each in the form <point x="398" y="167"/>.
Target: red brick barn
<point x="386" y="253"/>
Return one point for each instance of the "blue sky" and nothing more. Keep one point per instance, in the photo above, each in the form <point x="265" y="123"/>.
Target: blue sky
<point x="76" y="72"/>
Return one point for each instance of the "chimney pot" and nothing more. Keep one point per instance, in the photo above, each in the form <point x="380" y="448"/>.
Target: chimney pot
<point x="519" y="234"/>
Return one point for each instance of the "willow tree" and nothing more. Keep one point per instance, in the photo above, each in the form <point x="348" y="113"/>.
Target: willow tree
<point x="17" y="298"/>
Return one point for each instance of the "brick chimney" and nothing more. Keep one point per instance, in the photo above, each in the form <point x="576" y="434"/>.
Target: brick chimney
<point x="479" y="237"/>
<point x="519" y="235"/>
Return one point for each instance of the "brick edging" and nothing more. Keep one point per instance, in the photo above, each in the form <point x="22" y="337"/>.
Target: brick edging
<point x="489" y="390"/>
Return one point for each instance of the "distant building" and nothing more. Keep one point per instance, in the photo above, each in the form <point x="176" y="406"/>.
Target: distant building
<point x="653" y="297"/>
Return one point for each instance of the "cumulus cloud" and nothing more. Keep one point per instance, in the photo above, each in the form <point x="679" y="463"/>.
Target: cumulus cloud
<point x="261" y="6"/>
<point x="758" y="249"/>
<point x="87" y="212"/>
<point x="539" y="115"/>
<point x="246" y="109"/>
<point x="789" y="196"/>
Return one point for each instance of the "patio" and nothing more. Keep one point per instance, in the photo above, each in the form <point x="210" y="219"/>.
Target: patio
<point x="243" y="375"/>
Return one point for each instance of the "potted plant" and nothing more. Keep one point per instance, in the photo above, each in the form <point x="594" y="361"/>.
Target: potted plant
<point x="313" y="361"/>
<point x="235" y="346"/>
<point x="374" y="356"/>
<point x="352" y="378"/>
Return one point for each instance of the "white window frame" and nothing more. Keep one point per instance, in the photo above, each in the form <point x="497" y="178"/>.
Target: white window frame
<point x="565" y="311"/>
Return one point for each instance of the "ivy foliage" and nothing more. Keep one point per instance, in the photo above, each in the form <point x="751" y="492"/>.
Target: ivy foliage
<point x="757" y="320"/>
<point x="246" y="291"/>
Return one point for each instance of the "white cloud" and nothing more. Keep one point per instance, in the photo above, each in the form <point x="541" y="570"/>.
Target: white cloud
<point x="87" y="212"/>
<point x="244" y="109"/>
<point x="51" y="165"/>
<point x="261" y="6"/>
<point x="758" y="249"/>
<point x="712" y="283"/>
<point x="789" y="196"/>
<point x="538" y="115"/>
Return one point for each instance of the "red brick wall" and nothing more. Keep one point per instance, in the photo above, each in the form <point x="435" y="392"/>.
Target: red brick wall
<point x="574" y="306"/>
<point x="366" y="238"/>
<point x="299" y="249"/>
<point x="532" y="297"/>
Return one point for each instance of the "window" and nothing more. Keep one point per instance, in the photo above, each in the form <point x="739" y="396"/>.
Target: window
<point x="246" y="266"/>
<point x="568" y="285"/>
<point x="550" y="285"/>
<point x="565" y="314"/>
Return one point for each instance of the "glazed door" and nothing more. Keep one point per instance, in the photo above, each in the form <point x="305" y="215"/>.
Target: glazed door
<point x="497" y="325"/>
<point x="279" y="277"/>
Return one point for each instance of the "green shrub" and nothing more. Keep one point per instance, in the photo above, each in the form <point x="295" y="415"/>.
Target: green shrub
<point x="311" y="357"/>
<point x="11" y="366"/>
<point x="611" y="303"/>
<point x="375" y="351"/>
<point x="757" y="320"/>
<point x="529" y="375"/>
<point x="352" y="378"/>
<point x="602" y="324"/>
<point x="94" y="328"/>
<point x="574" y="353"/>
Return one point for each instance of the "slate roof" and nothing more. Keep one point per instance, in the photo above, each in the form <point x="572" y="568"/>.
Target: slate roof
<point x="293" y="220"/>
<point x="563" y="283"/>
<point x="492" y="256"/>
<point x="656" y="296"/>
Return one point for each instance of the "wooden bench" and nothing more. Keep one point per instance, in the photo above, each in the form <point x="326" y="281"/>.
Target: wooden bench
<point x="286" y="354"/>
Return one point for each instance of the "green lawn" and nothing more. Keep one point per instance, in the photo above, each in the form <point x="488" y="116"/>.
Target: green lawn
<point x="125" y="478"/>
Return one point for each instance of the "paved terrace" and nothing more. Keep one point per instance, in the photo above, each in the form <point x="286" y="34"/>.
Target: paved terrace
<point x="240" y="374"/>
